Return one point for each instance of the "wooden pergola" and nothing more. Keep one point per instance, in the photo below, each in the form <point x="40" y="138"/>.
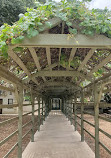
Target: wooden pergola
<point x="44" y="76"/>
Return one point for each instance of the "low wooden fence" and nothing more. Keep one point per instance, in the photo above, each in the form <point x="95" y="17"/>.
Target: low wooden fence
<point x="71" y="112"/>
<point x="42" y="113"/>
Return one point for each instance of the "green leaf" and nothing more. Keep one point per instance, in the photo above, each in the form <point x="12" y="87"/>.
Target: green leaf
<point x="2" y="43"/>
<point x="39" y="24"/>
<point x="48" y="24"/>
<point x="73" y="31"/>
<point x="32" y="32"/>
<point x="104" y="29"/>
<point x="69" y="23"/>
<point x="17" y="40"/>
<point x="4" y="51"/>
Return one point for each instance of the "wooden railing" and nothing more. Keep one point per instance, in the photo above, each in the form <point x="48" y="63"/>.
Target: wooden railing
<point x="72" y="113"/>
<point x="42" y="113"/>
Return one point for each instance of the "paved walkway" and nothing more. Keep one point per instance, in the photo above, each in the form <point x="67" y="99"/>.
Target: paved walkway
<point x="57" y="139"/>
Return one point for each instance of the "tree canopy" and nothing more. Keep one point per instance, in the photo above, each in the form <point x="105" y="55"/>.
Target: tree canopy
<point x="9" y="11"/>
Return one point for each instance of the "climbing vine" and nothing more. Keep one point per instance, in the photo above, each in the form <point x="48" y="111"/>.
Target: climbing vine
<point x="76" y="15"/>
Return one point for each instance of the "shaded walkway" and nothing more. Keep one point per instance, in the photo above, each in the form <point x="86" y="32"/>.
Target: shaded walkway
<point x="57" y="139"/>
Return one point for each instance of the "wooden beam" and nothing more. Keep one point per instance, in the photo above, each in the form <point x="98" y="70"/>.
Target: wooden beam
<point x="6" y="88"/>
<point x="36" y="60"/>
<point x="103" y="78"/>
<point x="63" y="25"/>
<point x="7" y="75"/>
<point x="59" y="74"/>
<point x="85" y="77"/>
<point x="48" y="55"/>
<point x="21" y="64"/>
<point x="64" y="41"/>
<point x="73" y="51"/>
<point x="82" y="115"/>
<point x="20" y="113"/>
<point x="54" y="22"/>
<point x="47" y="68"/>
<point x="51" y="66"/>
<point x="56" y="84"/>
<point x="88" y="56"/>
<point x="97" y="97"/>
<point x="101" y="64"/>
<point x="35" y="57"/>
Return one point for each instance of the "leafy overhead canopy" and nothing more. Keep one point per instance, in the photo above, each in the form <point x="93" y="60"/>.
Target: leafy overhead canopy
<point x="75" y="14"/>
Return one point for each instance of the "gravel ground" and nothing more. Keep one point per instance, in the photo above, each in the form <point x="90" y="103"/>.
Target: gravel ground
<point x="8" y="129"/>
<point x="104" y="125"/>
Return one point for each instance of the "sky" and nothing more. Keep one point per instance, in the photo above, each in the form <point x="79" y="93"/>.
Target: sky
<point x="101" y="4"/>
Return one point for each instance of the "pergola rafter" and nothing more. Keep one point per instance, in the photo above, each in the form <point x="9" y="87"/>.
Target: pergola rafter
<point x="101" y="64"/>
<point x="21" y="64"/>
<point x="88" y="56"/>
<point x="36" y="60"/>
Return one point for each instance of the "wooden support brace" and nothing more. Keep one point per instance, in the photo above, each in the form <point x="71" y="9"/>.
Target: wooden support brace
<point x="19" y="92"/>
<point x="42" y="111"/>
<point x="97" y="97"/>
<point x="38" y="114"/>
<point x="75" y="114"/>
<point x="33" y="109"/>
<point x="82" y="116"/>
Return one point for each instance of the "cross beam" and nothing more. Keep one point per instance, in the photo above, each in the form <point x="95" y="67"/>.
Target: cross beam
<point x="60" y="74"/>
<point x="64" y="41"/>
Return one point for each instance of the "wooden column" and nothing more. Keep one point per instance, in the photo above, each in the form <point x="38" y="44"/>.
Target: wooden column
<point x="19" y="94"/>
<point x="82" y="116"/>
<point x="45" y="107"/>
<point x="32" y="102"/>
<point x="68" y="111"/>
<point x="71" y="112"/>
<point x="49" y="104"/>
<point x="75" y="114"/>
<point x="97" y="97"/>
<point x="38" y="114"/>
<point x="42" y="111"/>
<point x="65" y="108"/>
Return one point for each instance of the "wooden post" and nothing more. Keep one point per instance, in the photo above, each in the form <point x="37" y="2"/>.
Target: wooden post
<point x="97" y="97"/>
<point x="71" y="113"/>
<point x="42" y="112"/>
<point x="75" y="114"/>
<point x="65" y="107"/>
<point x="19" y="94"/>
<point x="49" y="105"/>
<point x="32" y="102"/>
<point x="82" y="116"/>
<point x="68" y="109"/>
<point x="45" y="107"/>
<point x="38" y="114"/>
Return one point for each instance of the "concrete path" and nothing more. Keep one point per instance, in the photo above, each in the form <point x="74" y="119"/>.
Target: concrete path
<point x="57" y="139"/>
